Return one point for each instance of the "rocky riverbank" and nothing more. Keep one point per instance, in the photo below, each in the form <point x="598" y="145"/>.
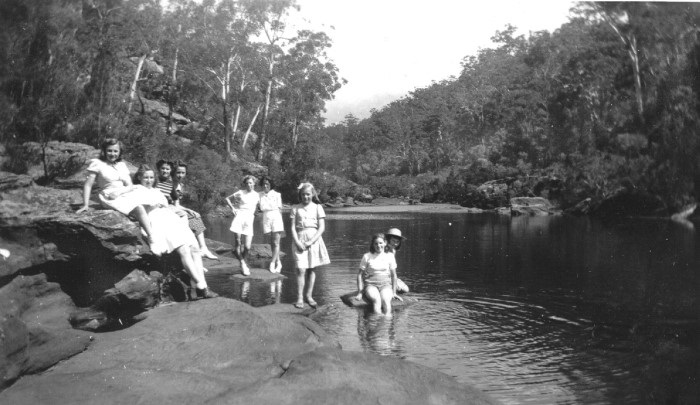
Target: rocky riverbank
<point x="140" y="340"/>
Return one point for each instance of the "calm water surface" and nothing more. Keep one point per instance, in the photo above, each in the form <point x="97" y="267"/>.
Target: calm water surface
<point x="532" y="310"/>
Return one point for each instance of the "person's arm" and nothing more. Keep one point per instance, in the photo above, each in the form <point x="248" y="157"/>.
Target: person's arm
<point x="293" y="227"/>
<point x="360" y="285"/>
<point x="87" y="189"/>
<point x="319" y="232"/>
<point x="230" y="204"/>
<point x="393" y="283"/>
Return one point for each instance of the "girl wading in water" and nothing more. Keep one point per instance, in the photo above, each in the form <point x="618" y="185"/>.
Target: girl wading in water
<point x="308" y="224"/>
<point x="245" y="201"/>
<point x="376" y="279"/>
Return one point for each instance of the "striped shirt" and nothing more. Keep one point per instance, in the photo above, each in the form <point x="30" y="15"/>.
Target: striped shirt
<point x="166" y="187"/>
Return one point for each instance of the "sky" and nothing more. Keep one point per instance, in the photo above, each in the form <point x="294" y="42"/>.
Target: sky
<point x="387" y="48"/>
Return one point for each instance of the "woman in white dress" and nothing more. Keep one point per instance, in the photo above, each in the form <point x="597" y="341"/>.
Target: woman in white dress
<point x="245" y="202"/>
<point x="170" y="232"/>
<point x="114" y="187"/>
<point x="273" y="225"/>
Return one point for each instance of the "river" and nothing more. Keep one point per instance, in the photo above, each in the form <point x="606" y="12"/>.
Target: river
<point x="555" y="310"/>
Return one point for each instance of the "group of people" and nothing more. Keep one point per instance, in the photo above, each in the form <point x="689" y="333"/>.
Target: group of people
<point x="153" y="199"/>
<point x="167" y="226"/>
<point x="307" y="227"/>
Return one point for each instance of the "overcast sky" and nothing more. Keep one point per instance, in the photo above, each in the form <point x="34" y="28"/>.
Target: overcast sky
<point x="386" y="48"/>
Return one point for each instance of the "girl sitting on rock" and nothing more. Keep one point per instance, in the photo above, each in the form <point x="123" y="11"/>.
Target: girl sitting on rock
<point x="114" y="185"/>
<point x="376" y="279"/>
<point x="170" y="232"/>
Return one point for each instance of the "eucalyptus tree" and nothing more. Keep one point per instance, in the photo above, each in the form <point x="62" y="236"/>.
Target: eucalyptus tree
<point x="308" y="80"/>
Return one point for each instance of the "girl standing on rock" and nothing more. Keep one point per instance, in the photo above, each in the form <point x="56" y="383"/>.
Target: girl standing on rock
<point x="115" y="189"/>
<point x="376" y="279"/>
<point x="271" y="207"/>
<point x="308" y="224"/>
<point x="171" y="233"/>
<point x="245" y="202"/>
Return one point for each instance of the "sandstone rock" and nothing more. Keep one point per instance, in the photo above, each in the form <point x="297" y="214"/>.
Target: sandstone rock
<point x="224" y="351"/>
<point x="531" y="206"/>
<point x="34" y="329"/>
<point x="134" y="294"/>
<point x="626" y="203"/>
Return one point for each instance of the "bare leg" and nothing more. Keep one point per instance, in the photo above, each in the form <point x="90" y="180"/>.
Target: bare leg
<point x="190" y="266"/>
<point x="244" y="249"/>
<point x="386" y="295"/>
<point x="275" y="264"/>
<point x="237" y="245"/>
<point x="203" y="247"/>
<point x="310" y="281"/>
<point x="374" y="298"/>
<point x="301" y="280"/>
<point x="142" y="216"/>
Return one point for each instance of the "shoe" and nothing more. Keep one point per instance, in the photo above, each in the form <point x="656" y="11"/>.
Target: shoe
<point x="209" y="255"/>
<point x="278" y="267"/>
<point x="206" y="293"/>
<point x="272" y="268"/>
<point x="244" y="269"/>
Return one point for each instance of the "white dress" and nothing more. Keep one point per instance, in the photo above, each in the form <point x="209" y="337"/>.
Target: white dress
<point x="305" y="220"/>
<point x="168" y="230"/>
<point x="112" y="177"/>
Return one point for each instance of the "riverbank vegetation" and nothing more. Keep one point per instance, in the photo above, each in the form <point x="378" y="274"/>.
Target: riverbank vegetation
<point x="606" y="104"/>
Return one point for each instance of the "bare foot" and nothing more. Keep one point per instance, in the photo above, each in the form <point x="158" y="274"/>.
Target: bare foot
<point x="244" y="268"/>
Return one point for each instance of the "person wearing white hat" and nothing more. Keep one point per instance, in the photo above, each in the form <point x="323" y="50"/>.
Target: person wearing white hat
<point x="394" y="240"/>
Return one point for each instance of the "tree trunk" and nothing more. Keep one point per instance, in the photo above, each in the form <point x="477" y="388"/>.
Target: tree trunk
<point x="295" y="134"/>
<point x="172" y="87"/>
<point x="134" y="84"/>
<point x="632" y="50"/>
<point x="266" y="111"/>
<point x="247" y="132"/>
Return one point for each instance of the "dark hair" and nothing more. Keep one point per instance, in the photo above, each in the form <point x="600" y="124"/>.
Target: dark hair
<point x="374" y="238"/>
<point x="176" y="182"/>
<point x="179" y="163"/>
<point x="162" y="162"/>
<point x="264" y="179"/>
<point x="106" y="144"/>
<point x="143" y="169"/>
<point x="388" y="240"/>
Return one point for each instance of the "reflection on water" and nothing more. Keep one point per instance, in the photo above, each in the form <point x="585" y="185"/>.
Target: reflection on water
<point x="530" y="309"/>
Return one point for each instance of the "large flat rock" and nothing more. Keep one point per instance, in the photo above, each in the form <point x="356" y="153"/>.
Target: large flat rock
<point x="224" y="351"/>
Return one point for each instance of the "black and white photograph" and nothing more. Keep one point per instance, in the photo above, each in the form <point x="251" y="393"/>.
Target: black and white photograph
<point x="349" y="202"/>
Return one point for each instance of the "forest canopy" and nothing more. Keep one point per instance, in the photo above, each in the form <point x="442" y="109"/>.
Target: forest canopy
<point x="607" y="102"/>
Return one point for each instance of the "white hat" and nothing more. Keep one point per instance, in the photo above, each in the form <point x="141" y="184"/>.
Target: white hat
<point x="395" y="232"/>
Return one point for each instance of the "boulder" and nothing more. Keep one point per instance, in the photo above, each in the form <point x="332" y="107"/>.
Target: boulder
<point x="65" y="162"/>
<point x="134" y="294"/>
<point x="531" y="206"/>
<point x="630" y="203"/>
<point x="34" y="330"/>
<point x="225" y="351"/>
